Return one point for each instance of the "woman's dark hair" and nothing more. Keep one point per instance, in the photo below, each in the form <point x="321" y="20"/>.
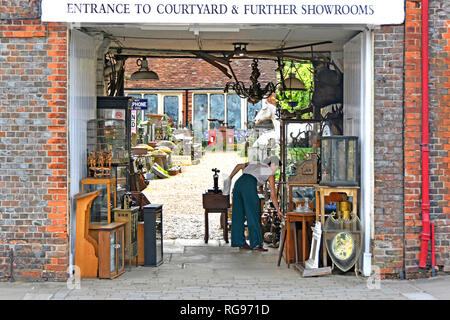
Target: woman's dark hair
<point x="279" y="163"/>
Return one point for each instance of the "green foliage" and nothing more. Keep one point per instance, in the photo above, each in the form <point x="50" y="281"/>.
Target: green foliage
<point x="303" y="71"/>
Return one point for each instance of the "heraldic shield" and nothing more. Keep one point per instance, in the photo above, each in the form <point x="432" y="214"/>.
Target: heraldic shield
<point x="343" y="241"/>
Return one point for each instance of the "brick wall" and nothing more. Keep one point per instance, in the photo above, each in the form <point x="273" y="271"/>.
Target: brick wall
<point x="388" y="152"/>
<point x="398" y="225"/>
<point x="439" y="134"/>
<point x="33" y="144"/>
<point x="439" y="48"/>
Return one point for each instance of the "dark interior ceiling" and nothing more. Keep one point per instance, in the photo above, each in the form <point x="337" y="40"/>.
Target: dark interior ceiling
<point x="185" y="40"/>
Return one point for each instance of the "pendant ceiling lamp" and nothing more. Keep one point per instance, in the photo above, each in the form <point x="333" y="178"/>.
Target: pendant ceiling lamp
<point x="292" y="83"/>
<point x="143" y="73"/>
<point x="240" y="49"/>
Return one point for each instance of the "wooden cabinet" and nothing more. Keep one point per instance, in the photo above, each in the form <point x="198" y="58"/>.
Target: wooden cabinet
<point x="322" y="192"/>
<point x="102" y="205"/>
<point x="130" y="217"/>
<point x="111" y="249"/>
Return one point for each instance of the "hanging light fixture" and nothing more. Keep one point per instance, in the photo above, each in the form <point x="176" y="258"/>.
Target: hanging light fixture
<point x="240" y="49"/>
<point x="255" y="92"/>
<point x="294" y="84"/>
<point x="143" y="73"/>
<point x="290" y="84"/>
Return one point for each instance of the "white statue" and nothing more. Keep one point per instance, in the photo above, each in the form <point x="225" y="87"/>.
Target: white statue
<point x="267" y="112"/>
<point x="313" y="261"/>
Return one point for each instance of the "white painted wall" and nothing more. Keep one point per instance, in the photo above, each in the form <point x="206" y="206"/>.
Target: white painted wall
<point x="82" y="107"/>
<point x="358" y="121"/>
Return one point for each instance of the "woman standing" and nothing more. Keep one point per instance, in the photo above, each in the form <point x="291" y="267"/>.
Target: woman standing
<point x="246" y="201"/>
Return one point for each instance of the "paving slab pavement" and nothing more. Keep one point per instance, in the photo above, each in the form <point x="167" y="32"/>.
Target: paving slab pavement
<point x="195" y="271"/>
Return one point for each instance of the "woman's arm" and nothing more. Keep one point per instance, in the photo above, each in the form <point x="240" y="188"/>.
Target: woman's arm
<point x="273" y="196"/>
<point x="240" y="166"/>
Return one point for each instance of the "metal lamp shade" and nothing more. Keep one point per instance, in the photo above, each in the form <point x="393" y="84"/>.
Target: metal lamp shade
<point x="293" y="83"/>
<point x="144" y="73"/>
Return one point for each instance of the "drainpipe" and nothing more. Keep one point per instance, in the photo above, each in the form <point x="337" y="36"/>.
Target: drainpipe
<point x="186" y="116"/>
<point x="425" y="236"/>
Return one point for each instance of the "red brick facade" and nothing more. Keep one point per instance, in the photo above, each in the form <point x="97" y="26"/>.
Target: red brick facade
<point x="34" y="143"/>
<point x="439" y="133"/>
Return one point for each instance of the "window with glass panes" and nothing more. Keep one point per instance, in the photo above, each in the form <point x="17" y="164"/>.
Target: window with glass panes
<point x="171" y="108"/>
<point x="234" y="111"/>
<point x="252" y="110"/>
<point x="200" y="113"/>
<point x="217" y="108"/>
<point x="152" y="103"/>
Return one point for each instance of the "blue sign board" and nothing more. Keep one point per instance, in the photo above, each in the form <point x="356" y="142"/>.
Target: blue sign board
<point x="139" y="104"/>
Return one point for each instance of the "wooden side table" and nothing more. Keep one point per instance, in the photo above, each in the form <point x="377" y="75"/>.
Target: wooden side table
<point x="321" y="193"/>
<point x="307" y="220"/>
<point x="216" y="202"/>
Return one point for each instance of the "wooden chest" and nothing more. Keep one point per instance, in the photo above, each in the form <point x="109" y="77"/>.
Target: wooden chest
<point x="215" y="201"/>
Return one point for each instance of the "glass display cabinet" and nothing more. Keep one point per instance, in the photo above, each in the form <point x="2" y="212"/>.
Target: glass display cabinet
<point x="130" y="217"/>
<point x="339" y="161"/>
<point x="121" y="174"/>
<point x="153" y="235"/>
<point x="299" y="151"/>
<point x="108" y="135"/>
<point x="102" y="205"/>
<point x="111" y="249"/>
<point x="116" y="112"/>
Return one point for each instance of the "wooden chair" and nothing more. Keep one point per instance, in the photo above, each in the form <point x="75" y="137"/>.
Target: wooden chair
<point x="86" y="247"/>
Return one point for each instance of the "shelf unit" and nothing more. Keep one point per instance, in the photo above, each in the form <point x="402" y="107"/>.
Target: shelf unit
<point x="284" y="123"/>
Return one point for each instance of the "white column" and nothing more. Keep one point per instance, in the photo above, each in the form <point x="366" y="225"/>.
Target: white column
<point x="367" y="151"/>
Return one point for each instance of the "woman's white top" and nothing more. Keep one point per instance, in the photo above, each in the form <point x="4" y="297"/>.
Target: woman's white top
<point x="260" y="171"/>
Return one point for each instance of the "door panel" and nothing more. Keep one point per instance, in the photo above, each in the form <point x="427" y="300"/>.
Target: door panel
<point x="82" y="107"/>
<point x="353" y="86"/>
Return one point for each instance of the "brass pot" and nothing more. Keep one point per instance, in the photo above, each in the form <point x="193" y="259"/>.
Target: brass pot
<point x="344" y="206"/>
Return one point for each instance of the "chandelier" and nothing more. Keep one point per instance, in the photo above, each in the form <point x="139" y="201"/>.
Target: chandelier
<point x="255" y="92"/>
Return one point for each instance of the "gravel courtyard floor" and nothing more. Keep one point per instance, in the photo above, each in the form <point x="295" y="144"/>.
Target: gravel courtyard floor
<point x="181" y="196"/>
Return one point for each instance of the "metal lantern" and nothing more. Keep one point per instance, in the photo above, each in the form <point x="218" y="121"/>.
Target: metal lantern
<point x="339" y="161"/>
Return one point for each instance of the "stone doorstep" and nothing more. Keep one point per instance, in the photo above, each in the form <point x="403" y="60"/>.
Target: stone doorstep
<point x="419" y="296"/>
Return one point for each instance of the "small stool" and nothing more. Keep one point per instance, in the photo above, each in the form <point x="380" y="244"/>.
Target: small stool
<point x="304" y="218"/>
<point x="223" y="223"/>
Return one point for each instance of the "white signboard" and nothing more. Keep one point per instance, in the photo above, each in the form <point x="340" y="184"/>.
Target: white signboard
<point x="374" y="12"/>
<point x="133" y="121"/>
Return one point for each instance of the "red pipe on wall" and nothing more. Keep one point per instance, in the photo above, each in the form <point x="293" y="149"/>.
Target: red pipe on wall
<point x="425" y="236"/>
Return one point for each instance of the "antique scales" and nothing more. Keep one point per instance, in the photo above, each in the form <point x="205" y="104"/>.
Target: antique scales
<point x="344" y="238"/>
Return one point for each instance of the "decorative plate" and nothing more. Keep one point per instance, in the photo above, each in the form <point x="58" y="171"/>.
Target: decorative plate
<point x="343" y="245"/>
